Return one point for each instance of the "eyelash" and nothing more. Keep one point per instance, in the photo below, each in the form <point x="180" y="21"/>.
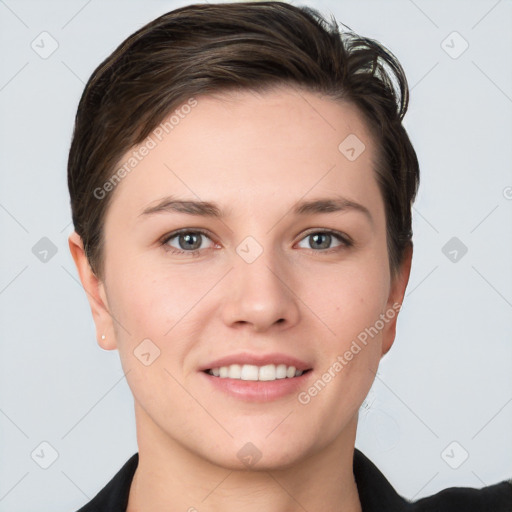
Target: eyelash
<point x="346" y="242"/>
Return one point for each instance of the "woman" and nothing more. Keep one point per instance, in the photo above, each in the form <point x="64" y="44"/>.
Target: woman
<point x="241" y="188"/>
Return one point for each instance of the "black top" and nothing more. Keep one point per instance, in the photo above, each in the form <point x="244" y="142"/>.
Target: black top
<point x="375" y="493"/>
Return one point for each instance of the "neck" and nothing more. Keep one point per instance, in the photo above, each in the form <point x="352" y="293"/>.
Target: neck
<point x="170" y="477"/>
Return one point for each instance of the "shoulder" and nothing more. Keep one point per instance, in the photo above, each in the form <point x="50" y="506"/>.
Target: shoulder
<point x="378" y="495"/>
<point x="493" y="498"/>
<point x="114" y="496"/>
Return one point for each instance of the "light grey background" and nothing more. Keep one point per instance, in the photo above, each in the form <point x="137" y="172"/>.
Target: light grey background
<point x="448" y="375"/>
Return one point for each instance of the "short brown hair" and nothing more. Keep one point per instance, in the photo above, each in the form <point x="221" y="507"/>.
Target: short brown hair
<point x="208" y="48"/>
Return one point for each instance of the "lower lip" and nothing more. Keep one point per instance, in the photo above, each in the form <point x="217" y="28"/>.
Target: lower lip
<point x="256" y="390"/>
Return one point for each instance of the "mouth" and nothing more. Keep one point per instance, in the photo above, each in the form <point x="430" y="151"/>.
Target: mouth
<point x="251" y="372"/>
<point x="252" y="377"/>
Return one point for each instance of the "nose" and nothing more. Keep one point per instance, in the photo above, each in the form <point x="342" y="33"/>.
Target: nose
<point x="259" y="295"/>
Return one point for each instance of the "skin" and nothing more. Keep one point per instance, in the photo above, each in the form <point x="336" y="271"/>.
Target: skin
<point x="255" y="156"/>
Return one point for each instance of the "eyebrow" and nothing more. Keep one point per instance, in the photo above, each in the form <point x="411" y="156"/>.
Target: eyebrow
<point x="209" y="209"/>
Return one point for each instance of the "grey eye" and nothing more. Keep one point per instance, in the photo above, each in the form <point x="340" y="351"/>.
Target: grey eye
<point x="189" y="241"/>
<point x="320" y="240"/>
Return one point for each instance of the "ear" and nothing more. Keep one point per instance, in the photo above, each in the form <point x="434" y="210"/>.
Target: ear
<point x="395" y="299"/>
<point x="95" y="291"/>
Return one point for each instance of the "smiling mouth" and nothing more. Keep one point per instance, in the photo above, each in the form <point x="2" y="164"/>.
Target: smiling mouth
<point x="268" y="372"/>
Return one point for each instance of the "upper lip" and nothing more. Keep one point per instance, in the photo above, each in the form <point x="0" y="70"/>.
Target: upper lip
<point x="257" y="360"/>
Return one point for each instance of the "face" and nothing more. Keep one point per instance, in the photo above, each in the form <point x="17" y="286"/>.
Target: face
<point x="250" y="243"/>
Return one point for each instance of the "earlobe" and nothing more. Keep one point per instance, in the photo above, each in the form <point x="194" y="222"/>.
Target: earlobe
<point x="395" y="300"/>
<point x="95" y="291"/>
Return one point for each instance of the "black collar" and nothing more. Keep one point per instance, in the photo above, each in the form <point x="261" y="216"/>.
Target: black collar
<point x="375" y="493"/>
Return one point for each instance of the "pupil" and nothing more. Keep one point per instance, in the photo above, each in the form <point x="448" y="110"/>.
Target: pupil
<point x="189" y="241"/>
<point x="321" y="240"/>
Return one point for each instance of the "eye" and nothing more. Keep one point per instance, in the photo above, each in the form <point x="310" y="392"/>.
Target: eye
<point x="187" y="241"/>
<point x="193" y="241"/>
<point x="323" y="240"/>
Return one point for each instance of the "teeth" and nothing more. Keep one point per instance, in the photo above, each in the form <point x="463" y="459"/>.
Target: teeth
<point x="267" y="372"/>
<point x="249" y="372"/>
<point x="234" y="371"/>
<point x="253" y="372"/>
<point x="281" y="371"/>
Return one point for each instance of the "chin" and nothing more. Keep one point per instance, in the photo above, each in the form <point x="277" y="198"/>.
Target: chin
<point x="257" y="452"/>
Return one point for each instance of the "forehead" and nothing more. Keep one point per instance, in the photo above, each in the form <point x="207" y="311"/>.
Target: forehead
<point x="242" y="148"/>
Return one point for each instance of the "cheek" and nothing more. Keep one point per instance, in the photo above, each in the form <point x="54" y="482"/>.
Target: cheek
<point x="349" y="301"/>
<point x="163" y="304"/>
<point x="152" y="313"/>
<point x="142" y="294"/>
<point x="350" y="306"/>
<point x="346" y="299"/>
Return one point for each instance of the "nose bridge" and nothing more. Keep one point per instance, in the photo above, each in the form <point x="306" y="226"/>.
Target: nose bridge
<point x="258" y="293"/>
<point x="258" y="270"/>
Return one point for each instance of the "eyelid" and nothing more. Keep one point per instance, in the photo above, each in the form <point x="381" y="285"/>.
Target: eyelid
<point x="179" y="231"/>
